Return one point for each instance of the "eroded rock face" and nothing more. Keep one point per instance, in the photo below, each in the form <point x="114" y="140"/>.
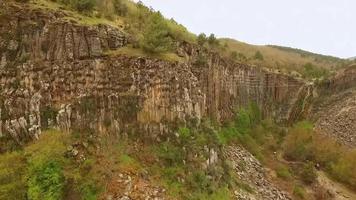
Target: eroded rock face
<point x="55" y="73"/>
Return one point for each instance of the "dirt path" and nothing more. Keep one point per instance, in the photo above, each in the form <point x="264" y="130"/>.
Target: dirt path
<point x="339" y="190"/>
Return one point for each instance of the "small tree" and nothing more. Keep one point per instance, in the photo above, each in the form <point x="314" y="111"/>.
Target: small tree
<point x="156" y="37"/>
<point x="120" y="7"/>
<point x="234" y="55"/>
<point x="242" y="57"/>
<point x="84" y="5"/>
<point x="212" y="40"/>
<point x="258" y="55"/>
<point x="201" y="39"/>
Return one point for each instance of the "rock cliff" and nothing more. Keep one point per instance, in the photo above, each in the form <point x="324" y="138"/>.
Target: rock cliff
<point x="54" y="72"/>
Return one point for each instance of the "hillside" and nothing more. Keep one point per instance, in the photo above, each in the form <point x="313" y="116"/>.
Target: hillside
<point x="283" y="58"/>
<point x="109" y="100"/>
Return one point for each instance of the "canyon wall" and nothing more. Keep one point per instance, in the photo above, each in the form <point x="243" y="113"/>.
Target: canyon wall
<point x="54" y="72"/>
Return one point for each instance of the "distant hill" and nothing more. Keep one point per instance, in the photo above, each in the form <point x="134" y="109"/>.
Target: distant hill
<point x="352" y="58"/>
<point x="284" y="58"/>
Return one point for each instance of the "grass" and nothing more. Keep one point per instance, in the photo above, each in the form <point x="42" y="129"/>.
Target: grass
<point x="137" y="52"/>
<point x="74" y="15"/>
<point x="281" y="58"/>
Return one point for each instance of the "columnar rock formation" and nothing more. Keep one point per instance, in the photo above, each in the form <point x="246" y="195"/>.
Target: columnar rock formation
<point x="55" y="73"/>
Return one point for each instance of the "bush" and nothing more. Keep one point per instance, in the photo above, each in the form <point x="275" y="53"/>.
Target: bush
<point x="170" y="154"/>
<point x="302" y="144"/>
<point x="284" y="173"/>
<point x="156" y="37"/>
<point x="105" y="9"/>
<point x="344" y="169"/>
<point x="299" y="142"/>
<point x="184" y="133"/>
<point x="312" y="71"/>
<point x="308" y="173"/>
<point x="84" y="5"/>
<point x="299" y="192"/>
<point x="201" y="39"/>
<point x="234" y="55"/>
<point x="179" y="32"/>
<point x="89" y="191"/>
<point x="46" y="181"/>
<point x="120" y="7"/>
<point x="213" y="41"/>
<point x="258" y="56"/>
<point x="198" y="181"/>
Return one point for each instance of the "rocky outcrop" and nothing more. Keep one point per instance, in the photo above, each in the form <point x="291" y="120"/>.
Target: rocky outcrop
<point x="251" y="172"/>
<point x="55" y="73"/>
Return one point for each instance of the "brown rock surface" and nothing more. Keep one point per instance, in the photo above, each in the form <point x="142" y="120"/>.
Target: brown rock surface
<point x="54" y="67"/>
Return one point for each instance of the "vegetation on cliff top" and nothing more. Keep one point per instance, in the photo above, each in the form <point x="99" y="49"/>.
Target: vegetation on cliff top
<point x="155" y="34"/>
<point x="285" y="58"/>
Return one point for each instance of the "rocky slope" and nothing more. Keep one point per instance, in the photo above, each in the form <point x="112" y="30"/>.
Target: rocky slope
<point x="251" y="172"/>
<point x="335" y="108"/>
<point x="55" y="72"/>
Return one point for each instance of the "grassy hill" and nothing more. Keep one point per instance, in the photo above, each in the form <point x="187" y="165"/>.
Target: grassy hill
<point x="282" y="58"/>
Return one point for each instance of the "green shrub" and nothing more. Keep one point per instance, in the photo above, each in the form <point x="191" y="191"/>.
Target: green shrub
<point x="312" y="71"/>
<point x="170" y="154"/>
<point x="201" y="39"/>
<point x="156" y="37"/>
<point x="213" y="41"/>
<point x="105" y="8"/>
<point x="284" y="173"/>
<point x="299" y="192"/>
<point x="84" y="5"/>
<point x="89" y="191"/>
<point x="179" y="32"/>
<point x="46" y="181"/>
<point x="234" y="55"/>
<point x="242" y="121"/>
<point x="344" y="169"/>
<point x="201" y="61"/>
<point x="258" y="56"/>
<point x="308" y="173"/>
<point x="184" y="133"/>
<point x="299" y="142"/>
<point x="120" y="7"/>
<point x="198" y="181"/>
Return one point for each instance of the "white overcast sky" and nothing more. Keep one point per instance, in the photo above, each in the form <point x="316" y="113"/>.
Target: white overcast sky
<point x="322" y="26"/>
